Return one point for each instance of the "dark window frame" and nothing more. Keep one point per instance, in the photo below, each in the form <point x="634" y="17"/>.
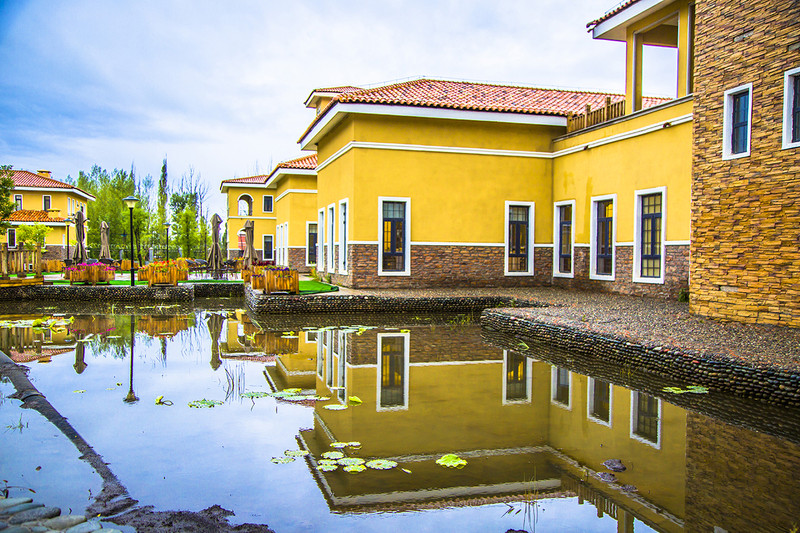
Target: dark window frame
<point x="394" y="237"/>
<point x="271" y="256"/>
<point x="519" y="239"/>
<point x="651" y="236"/>
<point x="795" y="110"/>
<point x="740" y="122"/>
<point x="311" y="243"/>
<point x="565" y="237"/>
<point x="264" y="203"/>
<point x="604" y="238"/>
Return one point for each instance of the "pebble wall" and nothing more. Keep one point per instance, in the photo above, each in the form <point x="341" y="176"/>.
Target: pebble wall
<point x="185" y="292"/>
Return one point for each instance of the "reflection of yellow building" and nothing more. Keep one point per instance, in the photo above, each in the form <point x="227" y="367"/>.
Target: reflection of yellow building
<point x="24" y="343"/>
<point x="294" y="369"/>
<point x="523" y="425"/>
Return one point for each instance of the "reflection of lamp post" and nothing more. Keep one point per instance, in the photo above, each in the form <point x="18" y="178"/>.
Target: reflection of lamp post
<point x="67" y="222"/>
<point x="131" y="396"/>
<point x="131" y="201"/>
<point x="167" y="225"/>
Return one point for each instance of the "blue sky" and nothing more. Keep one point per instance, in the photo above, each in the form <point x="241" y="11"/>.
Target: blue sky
<point x="219" y="86"/>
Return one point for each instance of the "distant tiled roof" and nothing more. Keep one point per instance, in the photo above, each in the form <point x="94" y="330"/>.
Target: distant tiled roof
<point x="24" y="178"/>
<point x="308" y="162"/>
<point x="469" y="96"/>
<point x="343" y="89"/>
<point x="618" y="8"/>
<point x="261" y="178"/>
<point x="29" y="215"/>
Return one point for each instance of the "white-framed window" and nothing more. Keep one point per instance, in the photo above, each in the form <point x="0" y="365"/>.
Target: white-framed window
<point x="311" y="243"/>
<point x="344" y="221"/>
<point x="311" y="336"/>
<point x="393" y="365"/>
<point x="18" y="202"/>
<point x="269" y="245"/>
<point x="736" y="123"/>
<point x="331" y="239"/>
<point x="267" y="203"/>
<point x="341" y="373"/>
<point x="11" y="237"/>
<point x="603" y="237"/>
<point x="561" y="387"/>
<point x="519" y="232"/>
<point x="791" y="108"/>
<point x="321" y="354"/>
<point x="649" y="229"/>
<point x="600" y="401"/>
<point x="394" y="230"/>
<point x="245" y="206"/>
<point x="321" y="241"/>
<point x="646" y="419"/>
<point x="563" y="239"/>
<point x="282" y="244"/>
<point x="46" y="202"/>
<point x="517" y="378"/>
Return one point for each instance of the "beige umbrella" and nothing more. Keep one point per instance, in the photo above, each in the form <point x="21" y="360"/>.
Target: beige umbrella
<point x="105" y="248"/>
<point x="214" y="258"/>
<point x="79" y="255"/>
<point x="250" y="253"/>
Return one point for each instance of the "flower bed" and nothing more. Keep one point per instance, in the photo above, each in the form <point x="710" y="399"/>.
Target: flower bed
<point x="281" y="280"/>
<point x="163" y="273"/>
<point x="90" y="273"/>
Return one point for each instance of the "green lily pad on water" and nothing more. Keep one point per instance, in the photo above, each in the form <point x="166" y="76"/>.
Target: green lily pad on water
<point x="354" y="400"/>
<point x="327" y="467"/>
<point x="350" y="461"/>
<point x="335" y="407"/>
<point x="338" y="445"/>
<point x="295" y="453"/>
<point x="381" y="464"/>
<point x="255" y="394"/>
<point x="354" y="469"/>
<point x="451" y="460"/>
<point x="204" y="403"/>
<point x="333" y="455"/>
<point x="282" y="460"/>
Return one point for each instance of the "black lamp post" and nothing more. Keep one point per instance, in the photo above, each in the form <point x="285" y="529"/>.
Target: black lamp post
<point x="67" y="222"/>
<point x="167" y="225"/>
<point x="131" y="201"/>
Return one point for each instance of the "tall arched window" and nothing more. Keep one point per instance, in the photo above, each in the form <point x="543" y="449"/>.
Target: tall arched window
<point x="245" y="206"/>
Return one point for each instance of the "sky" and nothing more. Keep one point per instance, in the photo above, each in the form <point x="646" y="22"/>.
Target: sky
<point x="218" y="87"/>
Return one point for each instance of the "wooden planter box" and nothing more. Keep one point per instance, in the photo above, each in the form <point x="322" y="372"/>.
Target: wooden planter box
<point x="281" y="281"/>
<point x="163" y="276"/>
<point x="257" y="281"/>
<point x="246" y="275"/>
<point x="92" y="274"/>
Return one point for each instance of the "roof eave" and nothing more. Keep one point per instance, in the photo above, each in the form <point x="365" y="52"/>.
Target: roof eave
<point x="281" y="172"/>
<point x="615" y="27"/>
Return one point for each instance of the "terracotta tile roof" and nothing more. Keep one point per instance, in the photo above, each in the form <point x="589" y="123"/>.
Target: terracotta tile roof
<point x="261" y="178"/>
<point x="307" y="162"/>
<point x="343" y="89"/>
<point x="29" y="215"/>
<point x="613" y="11"/>
<point x="25" y="178"/>
<point x="469" y="96"/>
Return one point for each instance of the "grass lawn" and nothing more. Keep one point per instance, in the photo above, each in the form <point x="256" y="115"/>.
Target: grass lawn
<point x="306" y="286"/>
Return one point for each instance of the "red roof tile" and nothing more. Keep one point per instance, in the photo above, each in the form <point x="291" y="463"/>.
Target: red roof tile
<point x="261" y="178"/>
<point x="469" y="96"/>
<point x="343" y="89"/>
<point x="613" y="11"/>
<point x="308" y="162"/>
<point x="29" y="215"/>
<point x="24" y="178"/>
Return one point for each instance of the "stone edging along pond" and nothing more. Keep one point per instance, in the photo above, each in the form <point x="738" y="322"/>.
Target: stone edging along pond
<point x="184" y="292"/>
<point x="771" y="385"/>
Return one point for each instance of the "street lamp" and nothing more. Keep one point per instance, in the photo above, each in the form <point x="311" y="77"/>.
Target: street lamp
<point x="131" y="201"/>
<point x="167" y="225"/>
<point x="67" y="222"/>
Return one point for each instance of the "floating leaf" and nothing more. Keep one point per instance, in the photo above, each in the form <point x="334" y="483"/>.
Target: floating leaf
<point x="79" y="391"/>
<point x="329" y="462"/>
<point x="338" y="445"/>
<point x="295" y="453"/>
<point x="406" y="471"/>
<point x="282" y="460"/>
<point x="405" y="331"/>
<point x="255" y="394"/>
<point x="322" y="398"/>
<point x="204" y="403"/>
<point x="350" y="461"/>
<point x="333" y="455"/>
<point x="354" y="444"/>
<point x="335" y="407"/>
<point x="381" y="464"/>
<point x="451" y="460"/>
<point x="355" y="400"/>
<point x="292" y="391"/>
<point x="354" y="469"/>
<point x="161" y="401"/>
<point x="327" y="467"/>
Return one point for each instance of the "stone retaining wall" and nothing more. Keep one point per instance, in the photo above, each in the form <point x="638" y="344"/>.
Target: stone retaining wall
<point x="764" y="384"/>
<point x="185" y="292"/>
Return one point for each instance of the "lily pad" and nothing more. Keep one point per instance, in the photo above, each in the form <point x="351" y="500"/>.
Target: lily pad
<point x="161" y="401"/>
<point x="339" y="445"/>
<point x="381" y="464"/>
<point x="354" y="444"/>
<point x="295" y="453"/>
<point x="79" y="391"/>
<point x="204" y="403"/>
<point x="354" y="469"/>
<point x="327" y="467"/>
<point x="333" y="455"/>
<point x="451" y="460"/>
<point x="351" y="461"/>
<point x="255" y="394"/>
<point x="354" y="400"/>
<point x="335" y="407"/>
<point x="329" y="462"/>
<point x="282" y="460"/>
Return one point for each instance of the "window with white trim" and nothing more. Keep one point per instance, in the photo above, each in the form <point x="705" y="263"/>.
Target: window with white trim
<point x="646" y="418"/>
<point x="393" y="251"/>
<point x="11" y="237"/>
<point x="517" y="374"/>
<point x="791" y="108"/>
<point x="393" y="365"/>
<point x="343" y="221"/>
<point x="45" y="202"/>
<point x="321" y="241"/>
<point x="737" y="110"/>
<point x="268" y="247"/>
<point x="245" y="206"/>
<point x="519" y="217"/>
<point x="598" y="407"/>
<point x="18" y="202"/>
<point x="331" y="239"/>
<point x="563" y="238"/>
<point x="267" y="203"/>
<point x="561" y="384"/>
<point x="311" y="243"/>
<point x="603" y="238"/>
<point x="648" y="243"/>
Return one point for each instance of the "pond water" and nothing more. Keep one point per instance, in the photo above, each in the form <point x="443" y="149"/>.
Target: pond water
<point x="410" y="389"/>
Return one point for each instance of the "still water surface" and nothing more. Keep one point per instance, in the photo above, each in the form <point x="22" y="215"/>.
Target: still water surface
<point x="534" y="434"/>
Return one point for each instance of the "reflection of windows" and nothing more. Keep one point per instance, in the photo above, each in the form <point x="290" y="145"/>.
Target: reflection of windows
<point x="599" y="407"/>
<point x="517" y="378"/>
<point x="321" y="356"/>
<point x="311" y="336"/>
<point x="329" y="357"/>
<point x="646" y="418"/>
<point x="341" y="375"/>
<point x="560" y="386"/>
<point x="392" y="371"/>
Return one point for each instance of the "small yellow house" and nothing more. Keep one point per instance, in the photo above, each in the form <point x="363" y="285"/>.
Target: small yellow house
<point x="248" y="199"/>
<point x="41" y="199"/>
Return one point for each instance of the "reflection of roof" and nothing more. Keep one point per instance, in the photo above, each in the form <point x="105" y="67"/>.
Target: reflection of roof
<point x="248" y="357"/>
<point x="613" y="11"/>
<point x="27" y="357"/>
<point x="29" y="215"/>
<point x="24" y="178"/>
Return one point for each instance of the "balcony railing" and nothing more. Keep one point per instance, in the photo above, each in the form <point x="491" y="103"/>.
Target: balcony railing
<point x="592" y="117"/>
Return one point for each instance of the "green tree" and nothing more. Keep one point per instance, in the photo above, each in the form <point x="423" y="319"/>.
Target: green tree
<point x="190" y="229"/>
<point x="31" y="235"/>
<point x="6" y="201"/>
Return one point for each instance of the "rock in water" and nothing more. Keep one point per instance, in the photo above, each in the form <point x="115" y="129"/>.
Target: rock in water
<point x="608" y="478"/>
<point x="615" y="465"/>
<point x="40" y="513"/>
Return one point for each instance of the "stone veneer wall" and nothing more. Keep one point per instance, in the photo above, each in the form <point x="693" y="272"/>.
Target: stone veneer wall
<point x="444" y="266"/>
<point x="745" y="211"/>
<point x="676" y="277"/>
<point x="297" y="260"/>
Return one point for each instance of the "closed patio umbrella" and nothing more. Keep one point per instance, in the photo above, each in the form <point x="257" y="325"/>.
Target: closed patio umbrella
<point x="79" y="255"/>
<point x="250" y="253"/>
<point x="214" y="323"/>
<point x="105" y="249"/>
<point x="214" y="258"/>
